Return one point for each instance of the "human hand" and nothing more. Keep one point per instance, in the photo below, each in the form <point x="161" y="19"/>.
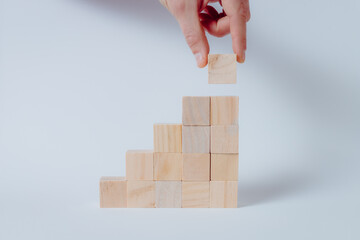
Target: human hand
<point x="195" y="16"/>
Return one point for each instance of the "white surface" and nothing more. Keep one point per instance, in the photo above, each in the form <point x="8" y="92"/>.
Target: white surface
<point x="81" y="81"/>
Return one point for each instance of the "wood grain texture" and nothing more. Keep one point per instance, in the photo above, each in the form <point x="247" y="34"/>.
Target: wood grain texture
<point x="196" y="111"/>
<point x="168" y="194"/>
<point x="222" y="68"/>
<point x="196" y="167"/>
<point x="141" y="194"/>
<point x="113" y="192"/>
<point x="167" y="166"/>
<point x="225" y="139"/>
<point x="139" y="165"/>
<point x="224" y="167"/>
<point x="225" y="110"/>
<point x="195" y="194"/>
<point x="223" y="194"/>
<point x="196" y="139"/>
<point x="167" y="138"/>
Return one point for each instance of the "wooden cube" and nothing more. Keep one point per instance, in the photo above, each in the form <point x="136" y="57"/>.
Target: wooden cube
<point x="196" y="111"/>
<point x="222" y="68"/>
<point x="196" y="167"/>
<point x="225" y="110"/>
<point x="141" y="194"/>
<point x="139" y="165"/>
<point x="167" y="166"/>
<point x="225" y="139"/>
<point x="196" y="139"/>
<point x="195" y="195"/>
<point x="113" y="192"/>
<point x="168" y="194"/>
<point x="223" y="194"/>
<point x="224" y="167"/>
<point x="167" y="138"/>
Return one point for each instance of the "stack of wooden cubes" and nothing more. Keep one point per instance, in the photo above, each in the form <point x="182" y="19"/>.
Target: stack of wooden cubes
<point x="193" y="164"/>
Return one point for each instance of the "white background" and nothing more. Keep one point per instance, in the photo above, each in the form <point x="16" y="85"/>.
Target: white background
<point x="82" y="81"/>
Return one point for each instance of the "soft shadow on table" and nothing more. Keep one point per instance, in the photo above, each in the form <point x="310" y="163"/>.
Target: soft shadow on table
<point x="329" y="98"/>
<point x="267" y="190"/>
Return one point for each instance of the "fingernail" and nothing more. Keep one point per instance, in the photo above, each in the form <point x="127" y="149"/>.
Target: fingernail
<point x="199" y="59"/>
<point x="241" y="58"/>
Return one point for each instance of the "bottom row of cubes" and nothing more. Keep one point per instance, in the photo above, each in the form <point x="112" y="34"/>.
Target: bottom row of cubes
<point x="116" y="192"/>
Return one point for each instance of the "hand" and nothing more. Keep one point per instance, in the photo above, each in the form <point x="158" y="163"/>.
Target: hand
<point x="195" y="16"/>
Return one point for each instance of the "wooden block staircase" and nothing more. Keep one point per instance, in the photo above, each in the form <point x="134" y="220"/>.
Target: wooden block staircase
<point x="193" y="164"/>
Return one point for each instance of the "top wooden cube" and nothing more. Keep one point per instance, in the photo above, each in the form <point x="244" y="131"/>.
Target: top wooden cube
<point x="225" y="110"/>
<point x="196" y="111"/>
<point x="168" y="138"/>
<point x="222" y="68"/>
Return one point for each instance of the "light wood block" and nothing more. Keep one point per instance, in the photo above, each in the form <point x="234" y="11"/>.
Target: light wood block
<point x="196" y="139"/>
<point x="167" y="138"/>
<point x="196" y="111"/>
<point x="195" y="194"/>
<point x="167" y="166"/>
<point x="225" y="139"/>
<point x="139" y="165"/>
<point x="168" y="194"/>
<point x="224" y="167"/>
<point x="141" y="194"/>
<point x="196" y="167"/>
<point x="222" y="68"/>
<point x="225" y="110"/>
<point x="113" y="192"/>
<point x="223" y="194"/>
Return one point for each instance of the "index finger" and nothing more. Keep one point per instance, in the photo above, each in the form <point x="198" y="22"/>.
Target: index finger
<point x="239" y="13"/>
<point x="238" y="36"/>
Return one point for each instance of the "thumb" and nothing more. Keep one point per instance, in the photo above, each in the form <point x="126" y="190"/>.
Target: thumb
<point x="194" y="34"/>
